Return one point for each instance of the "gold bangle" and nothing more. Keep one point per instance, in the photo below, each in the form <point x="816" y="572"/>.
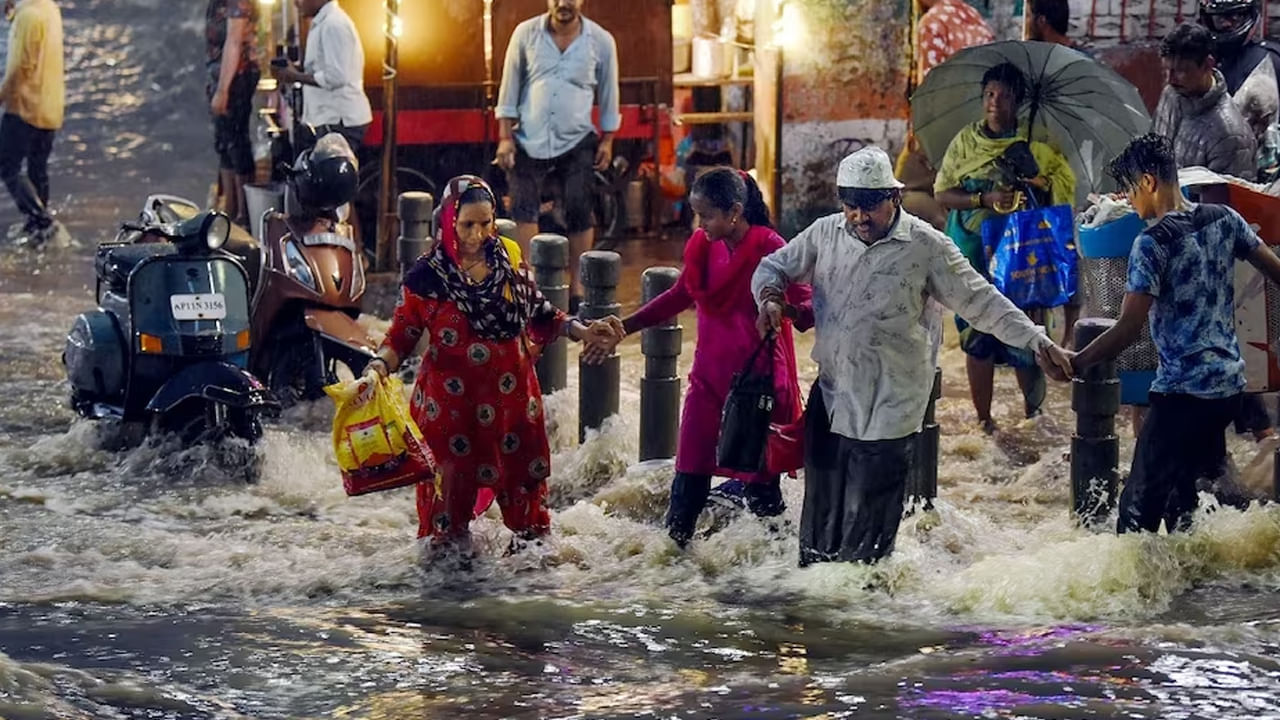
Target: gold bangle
<point x="975" y="200"/>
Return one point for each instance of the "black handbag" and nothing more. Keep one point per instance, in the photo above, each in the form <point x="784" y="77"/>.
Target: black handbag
<point x="744" y="423"/>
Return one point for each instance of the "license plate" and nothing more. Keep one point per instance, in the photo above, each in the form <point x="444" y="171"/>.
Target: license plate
<point x="210" y="306"/>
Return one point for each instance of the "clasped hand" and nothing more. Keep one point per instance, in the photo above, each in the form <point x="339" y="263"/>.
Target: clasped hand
<point x="600" y="337"/>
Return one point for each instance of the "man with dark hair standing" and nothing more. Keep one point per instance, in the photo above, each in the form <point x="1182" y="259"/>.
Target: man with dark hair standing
<point x="33" y="96"/>
<point x="1181" y="275"/>
<point x="332" y="75"/>
<point x="1050" y="22"/>
<point x="558" y="66"/>
<point x="1195" y="111"/>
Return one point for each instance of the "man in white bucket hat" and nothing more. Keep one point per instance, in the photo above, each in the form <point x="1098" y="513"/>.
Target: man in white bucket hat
<point x="873" y="267"/>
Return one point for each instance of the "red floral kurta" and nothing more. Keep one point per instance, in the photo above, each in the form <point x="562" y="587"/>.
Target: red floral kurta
<point x="479" y="406"/>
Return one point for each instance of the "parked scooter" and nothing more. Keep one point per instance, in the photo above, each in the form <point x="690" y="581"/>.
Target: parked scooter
<point x="307" y="277"/>
<point x="312" y="279"/>
<point x="168" y="347"/>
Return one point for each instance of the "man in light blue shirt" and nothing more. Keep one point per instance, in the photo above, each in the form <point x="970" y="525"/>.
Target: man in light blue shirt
<point x="558" y="66"/>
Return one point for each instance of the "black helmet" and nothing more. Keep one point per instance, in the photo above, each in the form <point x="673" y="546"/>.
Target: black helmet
<point x="324" y="178"/>
<point x="1230" y="41"/>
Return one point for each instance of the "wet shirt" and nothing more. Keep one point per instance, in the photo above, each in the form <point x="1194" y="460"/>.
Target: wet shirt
<point x="218" y="13"/>
<point x="551" y="94"/>
<point x="1187" y="263"/>
<point x="947" y="28"/>
<point x="873" y="348"/>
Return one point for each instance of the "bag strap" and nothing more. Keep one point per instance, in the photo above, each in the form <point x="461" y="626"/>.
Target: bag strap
<point x="767" y="341"/>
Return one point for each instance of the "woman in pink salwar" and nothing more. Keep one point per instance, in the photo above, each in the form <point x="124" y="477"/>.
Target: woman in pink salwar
<point x="733" y="235"/>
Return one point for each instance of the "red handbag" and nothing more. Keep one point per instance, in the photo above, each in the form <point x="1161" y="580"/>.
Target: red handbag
<point x="784" y="447"/>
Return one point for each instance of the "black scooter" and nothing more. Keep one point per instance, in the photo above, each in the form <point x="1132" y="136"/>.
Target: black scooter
<point x="168" y="346"/>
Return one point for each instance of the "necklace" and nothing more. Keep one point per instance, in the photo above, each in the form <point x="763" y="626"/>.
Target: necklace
<point x="466" y="270"/>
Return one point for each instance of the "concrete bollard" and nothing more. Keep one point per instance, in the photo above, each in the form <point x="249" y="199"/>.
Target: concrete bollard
<point x="598" y="385"/>
<point x="549" y="256"/>
<point x="415" y="227"/>
<point x="506" y="228"/>
<point x="922" y="483"/>
<point x="1095" y="449"/>
<point x="660" y="386"/>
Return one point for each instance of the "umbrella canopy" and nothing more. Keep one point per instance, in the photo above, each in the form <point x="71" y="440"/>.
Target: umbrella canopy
<point x="1089" y="110"/>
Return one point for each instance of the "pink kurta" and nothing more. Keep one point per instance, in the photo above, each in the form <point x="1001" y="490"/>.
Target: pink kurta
<point x="725" y="342"/>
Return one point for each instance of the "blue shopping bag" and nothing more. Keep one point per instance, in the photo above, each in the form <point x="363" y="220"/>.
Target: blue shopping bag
<point x="1032" y="256"/>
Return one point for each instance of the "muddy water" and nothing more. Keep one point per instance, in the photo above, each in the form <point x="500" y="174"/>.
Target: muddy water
<point x="156" y="583"/>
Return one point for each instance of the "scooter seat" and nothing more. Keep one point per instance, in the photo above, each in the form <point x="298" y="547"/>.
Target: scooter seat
<point x="247" y="250"/>
<point x="114" y="263"/>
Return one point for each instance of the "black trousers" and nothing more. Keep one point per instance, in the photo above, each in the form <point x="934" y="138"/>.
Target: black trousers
<point x="1182" y="440"/>
<point x="22" y="142"/>
<point x="853" y="491"/>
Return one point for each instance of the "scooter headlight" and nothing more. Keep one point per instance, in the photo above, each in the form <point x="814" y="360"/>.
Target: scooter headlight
<point x="205" y="232"/>
<point x="299" y="268"/>
<point x="216" y="230"/>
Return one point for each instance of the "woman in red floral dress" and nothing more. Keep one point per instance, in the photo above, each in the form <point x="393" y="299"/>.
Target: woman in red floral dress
<point x="477" y="398"/>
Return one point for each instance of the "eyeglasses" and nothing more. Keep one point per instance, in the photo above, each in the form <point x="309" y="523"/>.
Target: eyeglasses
<point x="863" y="199"/>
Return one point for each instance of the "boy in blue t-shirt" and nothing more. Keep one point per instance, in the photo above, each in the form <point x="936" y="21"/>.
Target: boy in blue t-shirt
<point x="1181" y="275"/>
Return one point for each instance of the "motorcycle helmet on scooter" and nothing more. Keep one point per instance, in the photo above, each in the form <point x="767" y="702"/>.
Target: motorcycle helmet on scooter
<point x="1230" y="40"/>
<point x="325" y="177"/>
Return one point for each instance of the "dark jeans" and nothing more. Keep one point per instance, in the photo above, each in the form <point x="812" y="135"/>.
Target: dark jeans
<point x="19" y="142"/>
<point x="575" y="171"/>
<point x="1182" y="440"/>
<point x="853" y="491"/>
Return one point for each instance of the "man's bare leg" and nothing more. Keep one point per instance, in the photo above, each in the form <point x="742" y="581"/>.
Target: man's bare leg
<point x="524" y="237"/>
<point x="982" y="376"/>
<point x="579" y="243"/>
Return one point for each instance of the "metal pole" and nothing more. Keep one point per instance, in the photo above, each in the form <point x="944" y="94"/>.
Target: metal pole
<point x="415" y="227"/>
<point x="598" y="385"/>
<point x="549" y="256"/>
<point x="1095" y="449"/>
<point x="660" y="386"/>
<point x="385" y="250"/>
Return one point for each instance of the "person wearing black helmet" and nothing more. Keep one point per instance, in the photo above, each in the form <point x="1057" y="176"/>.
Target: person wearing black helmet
<point x="1251" y="68"/>
<point x="1232" y="23"/>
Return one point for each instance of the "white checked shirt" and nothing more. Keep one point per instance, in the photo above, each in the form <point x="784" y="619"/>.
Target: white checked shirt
<point x="874" y="353"/>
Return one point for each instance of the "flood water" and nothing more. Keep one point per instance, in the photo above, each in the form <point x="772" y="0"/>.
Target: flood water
<point x="157" y="584"/>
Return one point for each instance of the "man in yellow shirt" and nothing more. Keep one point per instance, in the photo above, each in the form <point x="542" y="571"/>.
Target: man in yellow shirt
<point x="33" y="96"/>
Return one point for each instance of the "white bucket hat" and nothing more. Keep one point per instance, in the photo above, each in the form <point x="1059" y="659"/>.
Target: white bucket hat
<point x="867" y="169"/>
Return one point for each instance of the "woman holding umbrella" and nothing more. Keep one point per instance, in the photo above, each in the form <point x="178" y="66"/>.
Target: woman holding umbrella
<point x="974" y="187"/>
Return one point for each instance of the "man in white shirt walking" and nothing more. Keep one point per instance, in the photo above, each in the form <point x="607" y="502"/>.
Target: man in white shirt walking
<point x="872" y="268"/>
<point x="332" y="74"/>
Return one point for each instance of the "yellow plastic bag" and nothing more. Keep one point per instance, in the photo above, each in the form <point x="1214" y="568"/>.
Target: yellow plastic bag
<point x="377" y="444"/>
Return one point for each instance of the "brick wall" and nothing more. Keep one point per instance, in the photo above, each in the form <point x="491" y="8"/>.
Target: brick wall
<point x="1100" y="21"/>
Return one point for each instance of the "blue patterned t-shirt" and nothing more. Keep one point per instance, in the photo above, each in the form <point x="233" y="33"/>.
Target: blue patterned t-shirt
<point x="1187" y="262"/>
